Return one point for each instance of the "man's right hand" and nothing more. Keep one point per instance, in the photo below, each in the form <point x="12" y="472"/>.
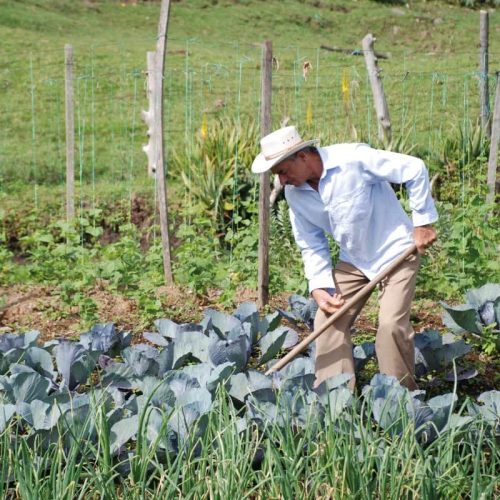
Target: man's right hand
<point x="326" y="302"/>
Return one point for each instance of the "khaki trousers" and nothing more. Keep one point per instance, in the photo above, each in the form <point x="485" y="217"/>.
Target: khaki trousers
<point x="394" y="344"/>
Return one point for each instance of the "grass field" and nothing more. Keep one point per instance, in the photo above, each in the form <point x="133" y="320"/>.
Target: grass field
<point x="212" y="69"/>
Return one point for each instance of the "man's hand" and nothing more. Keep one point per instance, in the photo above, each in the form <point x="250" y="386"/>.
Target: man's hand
<point x="326" y="302"/>
<point x="424" y="237"/>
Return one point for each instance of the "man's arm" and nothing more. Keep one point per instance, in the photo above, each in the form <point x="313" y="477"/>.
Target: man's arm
<point x="380" y="165"/>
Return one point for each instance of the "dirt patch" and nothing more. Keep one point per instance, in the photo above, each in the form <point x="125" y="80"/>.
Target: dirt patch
<point x="180" y="304"/>
<point x="116" y="309"/>
<point x="38" y="307"/>
<point x="33" y="307"/>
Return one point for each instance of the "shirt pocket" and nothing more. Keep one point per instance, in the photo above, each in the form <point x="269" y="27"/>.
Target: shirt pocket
<point x="350" y="220"/>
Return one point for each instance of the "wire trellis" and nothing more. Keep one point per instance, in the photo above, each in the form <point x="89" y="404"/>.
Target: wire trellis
<point x="326" y="95"/>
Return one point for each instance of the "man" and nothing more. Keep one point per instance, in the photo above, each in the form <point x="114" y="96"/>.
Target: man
<point x="345" y="190"/>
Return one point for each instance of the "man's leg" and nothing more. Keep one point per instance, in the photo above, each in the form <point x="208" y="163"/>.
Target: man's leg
<point x="334" y="346"/>
<point x="395" y="344"/>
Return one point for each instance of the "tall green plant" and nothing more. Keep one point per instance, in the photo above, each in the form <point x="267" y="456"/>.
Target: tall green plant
<point x="215" y="169"/>
<point x="460" y="162"/>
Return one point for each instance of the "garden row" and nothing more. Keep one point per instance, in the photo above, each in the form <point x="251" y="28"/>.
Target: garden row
<point x="101" y="416"/>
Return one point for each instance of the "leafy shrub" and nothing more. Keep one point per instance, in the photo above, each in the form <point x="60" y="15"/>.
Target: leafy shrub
<point x="462" y="160"/>
<point x="215" y="171"/>
<point x="465" y="254"/>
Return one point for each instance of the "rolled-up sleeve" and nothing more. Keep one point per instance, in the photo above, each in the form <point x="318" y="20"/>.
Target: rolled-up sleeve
<point x="398" y="168"/>
<point x="315" y="251"/>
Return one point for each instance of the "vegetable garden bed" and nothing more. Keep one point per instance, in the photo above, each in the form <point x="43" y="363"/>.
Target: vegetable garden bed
<point x="191" y="414"/>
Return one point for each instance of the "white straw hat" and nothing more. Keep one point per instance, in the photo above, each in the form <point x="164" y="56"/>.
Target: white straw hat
<point x="277" y="146"/>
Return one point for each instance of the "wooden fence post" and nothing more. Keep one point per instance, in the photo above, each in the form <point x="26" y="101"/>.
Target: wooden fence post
<point x="154" y="119"/>
<point x="493" y="168"/>
<point x="381" y="108"/>
<point x="70" y="131"/>
<point x="265" y="188"/>
<point x="483" y="72"/>
<point x="148" y="116"/>
<point x="161" y="49"/>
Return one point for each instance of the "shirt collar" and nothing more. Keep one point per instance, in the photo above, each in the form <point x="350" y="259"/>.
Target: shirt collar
<point x="328" y="162"/>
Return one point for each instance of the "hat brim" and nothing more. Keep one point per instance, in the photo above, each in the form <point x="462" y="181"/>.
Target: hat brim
<point x="261" y="165"/>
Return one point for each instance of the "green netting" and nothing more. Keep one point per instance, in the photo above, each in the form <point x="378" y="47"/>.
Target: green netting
<point x="326" y="94"/>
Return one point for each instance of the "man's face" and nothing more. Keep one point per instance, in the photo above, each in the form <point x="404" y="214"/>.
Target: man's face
<point x="292" y="171"/>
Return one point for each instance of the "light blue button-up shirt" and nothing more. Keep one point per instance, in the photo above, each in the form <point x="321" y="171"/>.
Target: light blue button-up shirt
<point x="356" y="204"/>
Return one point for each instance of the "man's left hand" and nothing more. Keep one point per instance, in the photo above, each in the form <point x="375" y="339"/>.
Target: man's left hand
<point x="424" y="237"/>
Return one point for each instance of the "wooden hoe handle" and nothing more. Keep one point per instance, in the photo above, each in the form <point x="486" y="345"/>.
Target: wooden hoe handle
<point x="334" y="317"/>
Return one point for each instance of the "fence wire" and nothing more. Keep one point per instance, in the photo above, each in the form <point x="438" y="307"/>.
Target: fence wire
<point x="326" y="94"/>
